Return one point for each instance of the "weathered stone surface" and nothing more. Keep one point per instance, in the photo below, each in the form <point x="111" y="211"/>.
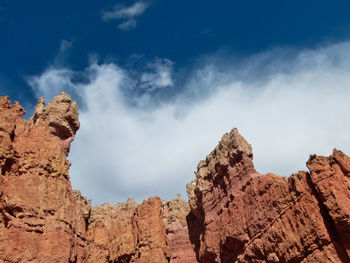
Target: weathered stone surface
<point x="110" y="233"/>
<point x="152" y="244"/>
<point x="127" y="232"/>
<point x="62" y="116"/>
<point x="244" y="217"/>
<point x="234" y="213"/>
<point x="40" y="220"/>
<point x="330" y="179"/>
<point x="175" y="216"/>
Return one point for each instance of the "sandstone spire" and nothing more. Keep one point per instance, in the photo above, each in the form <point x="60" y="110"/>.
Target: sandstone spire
<point x="232" y="150"/>
<point x="62" y="116"/>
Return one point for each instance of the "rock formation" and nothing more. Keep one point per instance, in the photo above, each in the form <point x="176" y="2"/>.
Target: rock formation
<point x="40" y="215"/>
<point x="110" y="233"/>
<point x="247" y="217"/>
<point x="234" y="214"/>
<point x="175" y="216"/>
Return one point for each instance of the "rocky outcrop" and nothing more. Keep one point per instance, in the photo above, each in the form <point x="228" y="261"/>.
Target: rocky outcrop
<point x="151" y="241"/>
<point x="40" y="217"/>
<point x="330" y="182"/>
<point x="127" y="232"/>
<point x="247" y="217"/>
<point x="176" y="214"/>
<point x="110" y="233"/>
<point x="61" y="115"/>
<point x="234" y="214"/>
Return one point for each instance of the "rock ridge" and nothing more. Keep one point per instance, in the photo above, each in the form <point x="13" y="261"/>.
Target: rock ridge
<point x="234" y="214"/>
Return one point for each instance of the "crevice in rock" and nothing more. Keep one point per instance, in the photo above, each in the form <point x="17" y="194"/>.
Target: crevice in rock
<point x="7" y="166"/>
<point x="60" y="131"/>
<point x="231" y="249"/>
<point x="329" y="223"/>
<point x="12" y="135"/>
<point x="87" y="221"/>
<point x="195" y="228"/>
<point x="38" y="231"/>
<point x="122" y="259"/>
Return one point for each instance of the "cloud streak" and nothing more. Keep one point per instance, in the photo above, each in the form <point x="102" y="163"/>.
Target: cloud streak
<point x="127" y="14"/>
<point x="287" y="107"/>
<point x="160" y="75"/>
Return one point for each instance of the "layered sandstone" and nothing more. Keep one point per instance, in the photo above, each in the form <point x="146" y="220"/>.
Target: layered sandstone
<point x="110" y="233"/>
<point x="176" y="214"/>
<point x="127" y="232"/>
<point x="40" y="217"/>
<point x="234" y="214"/>
<point x="247" y="217"/>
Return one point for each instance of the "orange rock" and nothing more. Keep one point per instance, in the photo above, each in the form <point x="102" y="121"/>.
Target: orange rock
<point x="127" y="232"/>
<point x="234" y="213"/>
<point x="152" y="244"/>
<point x="245" y="217"/>
<point x="40" y="219"/>
<point x="175" y="216"/>
<point x="110" y="233"/>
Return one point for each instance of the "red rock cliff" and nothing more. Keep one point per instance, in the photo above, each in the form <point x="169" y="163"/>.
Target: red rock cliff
<point x="40" y="215"/>
<point x="234" y="214"/>
<point x="247" y="217"/>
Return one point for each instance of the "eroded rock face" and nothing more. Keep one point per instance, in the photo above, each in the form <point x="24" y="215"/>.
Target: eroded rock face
<point x="40" y="217"/>
<point x="245" y="217"/>
<point x="128" y="232"/>
<point x="62" y="116"/>
<point x="152" y="244"/>
<point x="234" y="214"/>
<point x="330" y="181"/>
<point x="176" y="213"/>
<point x="110" y="233"/>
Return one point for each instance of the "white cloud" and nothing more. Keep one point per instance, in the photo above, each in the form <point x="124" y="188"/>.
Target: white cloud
<point x="128" y="14"/>
<point x="52" y="82"/>
<point x="128" y="25"/>
<point x="160" y="77"/>
<point x="287" y="109"/>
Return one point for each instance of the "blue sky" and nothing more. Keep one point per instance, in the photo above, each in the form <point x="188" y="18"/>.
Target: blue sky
<point x="170" y="77"/>
<point x="181" y="31"/>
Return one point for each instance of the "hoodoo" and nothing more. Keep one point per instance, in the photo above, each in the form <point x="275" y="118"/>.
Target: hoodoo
<point x="234" y="214"/>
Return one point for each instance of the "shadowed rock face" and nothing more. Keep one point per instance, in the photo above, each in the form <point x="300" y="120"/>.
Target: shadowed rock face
<point x="234" y="214"/>
<point x="61" y="114"/>
<point x="175" y="214"/>
<point x="41" y="218"/>
<point x="247" y="217"/>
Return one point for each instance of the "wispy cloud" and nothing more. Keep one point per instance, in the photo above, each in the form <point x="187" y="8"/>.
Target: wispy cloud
<point x="286" y="106"/>
<point x="160" y="75"/>
<point x="127" y="14"/>
<point x="128" y="25"/>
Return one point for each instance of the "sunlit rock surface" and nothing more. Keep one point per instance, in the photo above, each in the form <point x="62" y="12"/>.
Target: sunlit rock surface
<point x="247" y="217"/>
<point x="234" y="214"/>
<point x="41" y="219"/>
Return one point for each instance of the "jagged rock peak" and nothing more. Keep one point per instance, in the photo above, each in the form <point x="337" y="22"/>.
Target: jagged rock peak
<point x="233" y="141"/>
<point x="231" y="150"/>
<point x="229" y="145"/>
<point x="41" y="218"/>
<point x="15" y="108"/>
<point x="62" y="116"/>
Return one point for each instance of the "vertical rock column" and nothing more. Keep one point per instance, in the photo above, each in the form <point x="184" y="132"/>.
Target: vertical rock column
<point x="176" y="213"/>
<point x="41" y="219"/>
<point x="152" y="244"/>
